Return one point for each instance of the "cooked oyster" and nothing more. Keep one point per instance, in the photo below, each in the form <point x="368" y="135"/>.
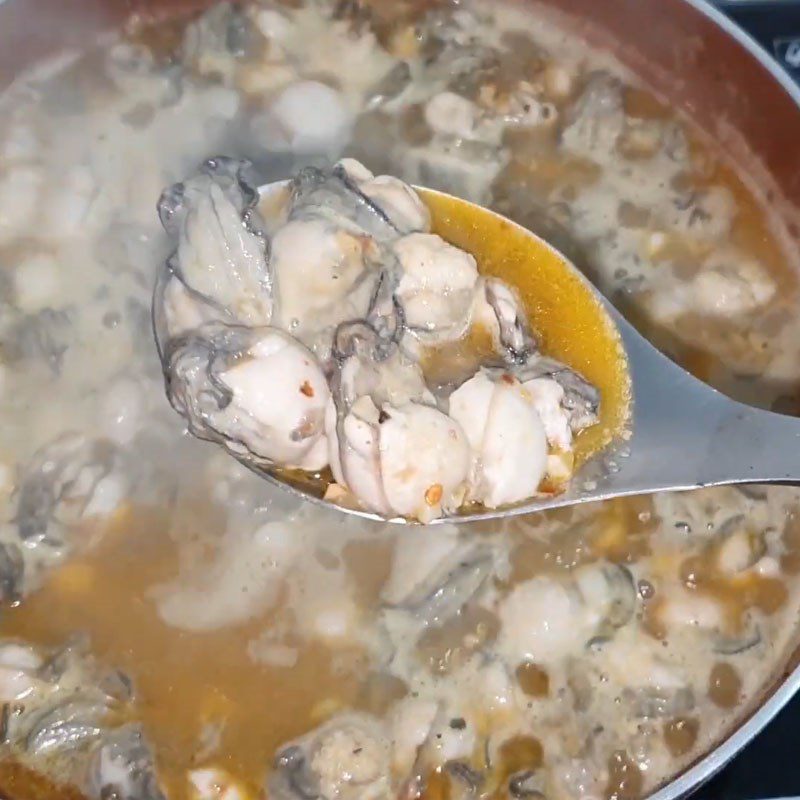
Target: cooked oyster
<point x="347" y="758"/>
<point x="351" y="270"/>
<point x="500" y="310"/>
<point x="566" y="402"/>
<point x="62" y="702"/>
<point x="122" y="767"/>
<point x="325" y="275"/>
<point x="68" y="480"/>
<point x="435" y="586"/>
<point x="544" y="618"/>
<point x="20" y="666"/>
<point x="45" y="335"/>
<point x="218" y="38"/>
<point x="342" y="195"/>
<point x="257" y="391"/>
<point x="596" y="120"/>
<point x="578" y="399"/>
<point x="509" y="444"/>
<point x="398" y="201"/>
<point x="221" y="257"/>
<point x="436" y="286"/>
<point x="328" y="258"/>
<point x="389" y="444"/>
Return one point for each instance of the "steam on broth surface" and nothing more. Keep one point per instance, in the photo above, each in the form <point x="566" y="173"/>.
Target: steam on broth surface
<point x="174" y="626"/>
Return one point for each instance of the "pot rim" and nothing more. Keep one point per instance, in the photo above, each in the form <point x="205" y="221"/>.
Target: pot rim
<point x="755" y="49"/>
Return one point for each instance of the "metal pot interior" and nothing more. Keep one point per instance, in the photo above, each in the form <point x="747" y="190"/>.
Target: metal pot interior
<point x="683" y="49"/>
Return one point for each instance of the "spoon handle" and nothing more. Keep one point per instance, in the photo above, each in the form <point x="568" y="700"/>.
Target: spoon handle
<point x="688" y="435"/>
<point x="684" y="435"/>
<point x="750" y="446"/>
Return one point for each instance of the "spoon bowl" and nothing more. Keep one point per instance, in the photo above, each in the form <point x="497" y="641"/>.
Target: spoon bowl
<point x="662" y="429"/>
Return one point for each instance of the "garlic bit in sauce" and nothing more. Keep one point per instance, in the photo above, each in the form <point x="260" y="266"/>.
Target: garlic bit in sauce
<point x="302" y="339"/>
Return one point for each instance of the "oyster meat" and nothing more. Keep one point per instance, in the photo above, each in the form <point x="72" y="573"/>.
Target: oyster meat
<point x="297" y="339"/>
<point x="346" y="758"/>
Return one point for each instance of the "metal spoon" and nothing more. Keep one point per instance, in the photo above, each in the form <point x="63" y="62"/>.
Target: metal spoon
<point x="682" y="433"/>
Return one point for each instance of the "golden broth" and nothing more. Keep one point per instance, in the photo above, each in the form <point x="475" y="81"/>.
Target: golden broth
<point x="565" y="314"/>
<point x="183" y="680"/>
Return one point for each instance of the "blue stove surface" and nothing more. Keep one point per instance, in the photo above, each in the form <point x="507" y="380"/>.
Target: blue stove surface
<point x="775" y="24"/>
<point x="770" y="766"/>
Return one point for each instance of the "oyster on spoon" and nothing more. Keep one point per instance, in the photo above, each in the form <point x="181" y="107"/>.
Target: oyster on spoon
<point x="407" y="355"/>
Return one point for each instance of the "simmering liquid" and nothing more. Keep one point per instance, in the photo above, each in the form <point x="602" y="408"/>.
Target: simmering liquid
<point x="187" y="683"/>
<point x="600" y="649"/>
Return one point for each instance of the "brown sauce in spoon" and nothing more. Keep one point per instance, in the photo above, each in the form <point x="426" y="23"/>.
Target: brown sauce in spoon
<point x="564" y="311"/>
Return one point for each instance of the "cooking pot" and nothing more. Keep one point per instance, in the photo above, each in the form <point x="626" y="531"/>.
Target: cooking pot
<point x="685" y="49"/>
